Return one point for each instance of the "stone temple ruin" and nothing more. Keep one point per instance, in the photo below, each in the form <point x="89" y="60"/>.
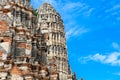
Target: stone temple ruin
<point x="32" y="43"/>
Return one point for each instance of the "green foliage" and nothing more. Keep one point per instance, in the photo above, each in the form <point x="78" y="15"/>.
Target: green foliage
<point x="35" y="12"/>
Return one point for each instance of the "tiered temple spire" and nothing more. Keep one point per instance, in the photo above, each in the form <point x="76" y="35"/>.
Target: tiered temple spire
<point x="51" y="24"/>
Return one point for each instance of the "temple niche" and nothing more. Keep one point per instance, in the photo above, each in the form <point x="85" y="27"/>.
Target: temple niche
<point x="5" y="39"/>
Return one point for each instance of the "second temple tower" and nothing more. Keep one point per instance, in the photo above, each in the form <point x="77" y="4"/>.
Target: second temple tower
<point x="51" y="25"/>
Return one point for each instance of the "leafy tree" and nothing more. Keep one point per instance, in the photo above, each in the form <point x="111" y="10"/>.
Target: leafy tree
<point x="35" y="12"/>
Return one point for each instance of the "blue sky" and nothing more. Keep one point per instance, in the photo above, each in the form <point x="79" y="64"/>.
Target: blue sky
<point x="93" y="36"/>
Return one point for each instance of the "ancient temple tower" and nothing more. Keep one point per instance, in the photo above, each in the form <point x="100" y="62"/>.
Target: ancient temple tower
<point x="17" y="14"/>
<point x="32" y="44"/>
<point x="51" y="25"/>
<point x="16" y="29"/>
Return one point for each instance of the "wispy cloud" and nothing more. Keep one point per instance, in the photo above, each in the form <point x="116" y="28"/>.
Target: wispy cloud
<point x="109" y="12"/>
<point x="116" y="46"/>
<point x="71" y="6"/>
<point x="115" y="7"/>
<point x="112" y="12"/>
<point x="76" y="31"/>
<point x="72" y="10"/>
<point x="89" y="12"/>
<point x="78" y="8"/>
<point x="112" y="58"/>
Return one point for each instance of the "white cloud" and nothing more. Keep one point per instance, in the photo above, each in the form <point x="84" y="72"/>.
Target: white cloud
<point x="113" y="12"/>
<point x="111" y="58"/>
<point x="73" y="9"/>
<point x="98" y="57"/>
<point x="115" y="7"/>
<point x="89" y="12"/>
<point x="115" y="46"/>
<point x="71" y="6"/>
<point x="76" y="31"/>
<point x="78" y="8"/>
